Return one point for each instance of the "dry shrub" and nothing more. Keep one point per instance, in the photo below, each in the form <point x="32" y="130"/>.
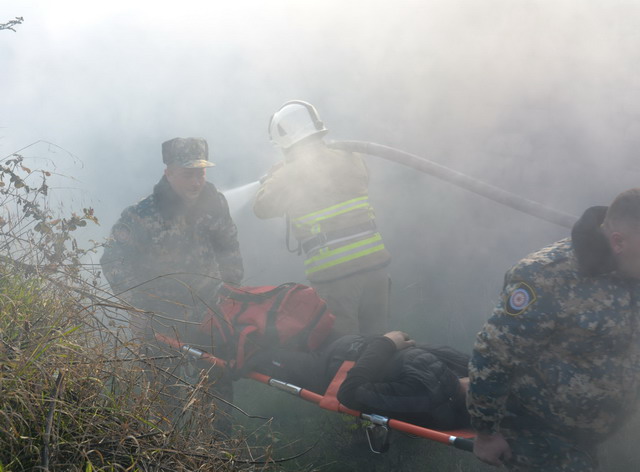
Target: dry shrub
<point x="75" y="392"/>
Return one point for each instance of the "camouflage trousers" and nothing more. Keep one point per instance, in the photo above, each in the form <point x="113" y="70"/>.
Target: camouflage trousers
<point x="542" y="451"/>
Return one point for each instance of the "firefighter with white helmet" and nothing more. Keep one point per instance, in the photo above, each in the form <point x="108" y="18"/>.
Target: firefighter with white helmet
<point x="324" y="194"/>
<point x="293" y="122"/>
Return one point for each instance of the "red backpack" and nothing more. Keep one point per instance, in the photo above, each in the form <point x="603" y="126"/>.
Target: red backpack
<point x="248" y="319"/>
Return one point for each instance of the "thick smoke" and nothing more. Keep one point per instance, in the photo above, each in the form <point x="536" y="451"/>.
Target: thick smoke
<point x="539" y="98"/>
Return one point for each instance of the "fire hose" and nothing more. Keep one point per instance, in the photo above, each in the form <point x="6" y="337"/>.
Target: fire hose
<point x="457" y="178"/>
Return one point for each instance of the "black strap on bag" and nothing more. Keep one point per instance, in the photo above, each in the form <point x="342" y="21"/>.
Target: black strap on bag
<point x="246" y="296"/>
<point x="270" y="332"/>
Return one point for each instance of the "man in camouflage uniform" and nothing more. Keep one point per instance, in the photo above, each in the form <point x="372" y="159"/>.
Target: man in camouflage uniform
<point x="169" y="254"/>
<point x="556" y="369"/>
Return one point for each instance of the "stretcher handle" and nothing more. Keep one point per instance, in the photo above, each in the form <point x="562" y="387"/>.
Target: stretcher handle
<point x="464" y="444"/>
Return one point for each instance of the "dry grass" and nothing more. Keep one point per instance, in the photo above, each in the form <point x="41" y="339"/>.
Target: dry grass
<point x="76" y="393"/>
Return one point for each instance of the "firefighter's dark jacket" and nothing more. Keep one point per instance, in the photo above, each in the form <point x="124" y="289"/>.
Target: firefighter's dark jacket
<point x="418" y="384"/>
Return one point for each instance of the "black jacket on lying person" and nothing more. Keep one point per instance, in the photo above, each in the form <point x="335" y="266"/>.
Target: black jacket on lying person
<point x="419" y="385"/>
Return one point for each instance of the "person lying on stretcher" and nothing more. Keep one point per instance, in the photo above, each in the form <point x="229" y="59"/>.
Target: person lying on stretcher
<point x="392" y="376"/>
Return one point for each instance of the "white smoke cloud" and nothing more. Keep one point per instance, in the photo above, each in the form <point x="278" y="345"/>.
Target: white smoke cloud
<point x="538" y="97"/>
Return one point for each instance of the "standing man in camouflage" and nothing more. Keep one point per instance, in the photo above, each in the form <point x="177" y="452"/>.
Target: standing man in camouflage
<point x="324" y="192"/>
<point x="169" y="253"/>
<point x="556" y="369"/>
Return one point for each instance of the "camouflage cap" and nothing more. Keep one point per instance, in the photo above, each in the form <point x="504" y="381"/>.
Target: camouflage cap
<point x="186" y="152"/>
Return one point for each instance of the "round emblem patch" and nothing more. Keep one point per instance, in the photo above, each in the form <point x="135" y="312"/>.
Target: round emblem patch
<point x="521" y="297"/>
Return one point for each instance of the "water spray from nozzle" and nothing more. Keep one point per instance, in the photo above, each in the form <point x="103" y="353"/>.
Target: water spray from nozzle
<point x="239" y="197"/>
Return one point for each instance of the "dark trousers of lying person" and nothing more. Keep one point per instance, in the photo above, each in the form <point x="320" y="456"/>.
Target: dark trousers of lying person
<point x="418" y="384"/>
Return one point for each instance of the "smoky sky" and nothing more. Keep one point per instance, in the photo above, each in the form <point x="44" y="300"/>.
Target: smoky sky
<point x="539" y="98"/>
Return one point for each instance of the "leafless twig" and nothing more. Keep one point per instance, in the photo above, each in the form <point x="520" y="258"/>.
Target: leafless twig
<point x="11" y="23"/>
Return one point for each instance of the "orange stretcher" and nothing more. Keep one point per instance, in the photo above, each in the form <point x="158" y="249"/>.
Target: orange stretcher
<point x="460" y="439"/>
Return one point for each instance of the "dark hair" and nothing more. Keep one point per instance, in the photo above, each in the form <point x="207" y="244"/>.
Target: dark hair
<point x="625" y="208"/>
<point x="456" y="361"/>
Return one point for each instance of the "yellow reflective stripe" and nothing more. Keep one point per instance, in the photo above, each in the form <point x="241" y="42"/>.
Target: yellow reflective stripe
<point x="312" y="216"/>
<point x="330" y="212"/>
<point x="326" y="217"/>
<point x="342" y="260"/>
<point x="329" y="258"/>
<point x="326" y="253"/>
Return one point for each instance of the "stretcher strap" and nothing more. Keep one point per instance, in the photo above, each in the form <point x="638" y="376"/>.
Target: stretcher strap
<point x="329" y="400"/>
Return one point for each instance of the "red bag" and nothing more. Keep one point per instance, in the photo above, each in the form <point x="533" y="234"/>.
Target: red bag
<point x="291" y="316"/>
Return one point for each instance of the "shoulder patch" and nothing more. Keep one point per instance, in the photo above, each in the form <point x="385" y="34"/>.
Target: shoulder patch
<point x="519" y="299"/>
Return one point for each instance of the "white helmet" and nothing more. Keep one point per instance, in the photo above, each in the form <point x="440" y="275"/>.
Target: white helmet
<point x="294" y="121"/>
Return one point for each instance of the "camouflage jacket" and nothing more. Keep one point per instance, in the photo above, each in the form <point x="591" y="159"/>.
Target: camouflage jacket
<point x="562" y="348"/>
<point x="168" y="258"/>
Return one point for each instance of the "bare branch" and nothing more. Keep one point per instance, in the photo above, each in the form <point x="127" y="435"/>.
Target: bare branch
<point x="11" y="23"/>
